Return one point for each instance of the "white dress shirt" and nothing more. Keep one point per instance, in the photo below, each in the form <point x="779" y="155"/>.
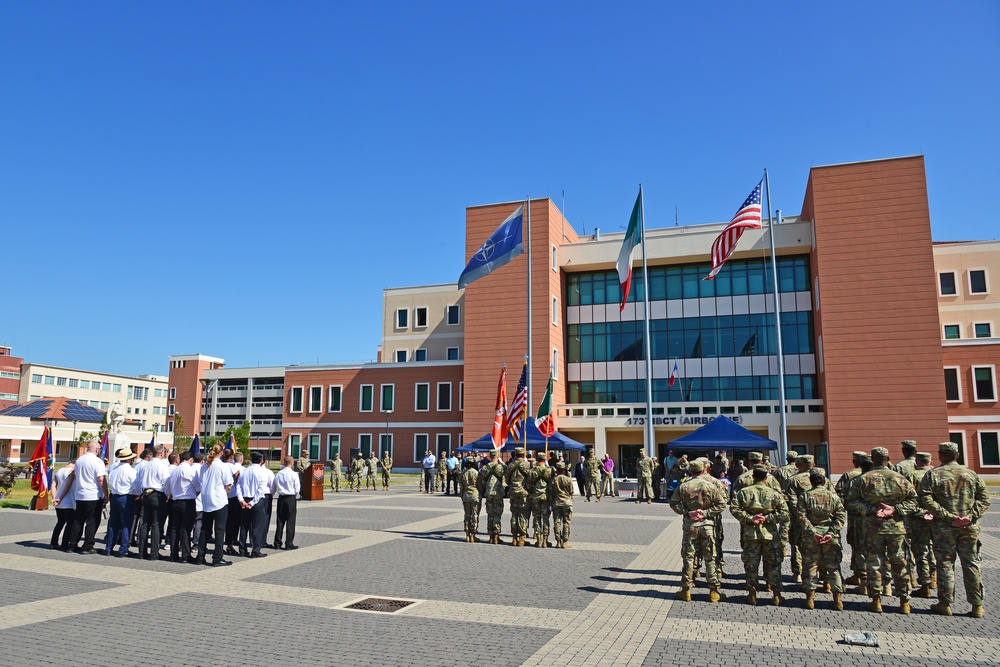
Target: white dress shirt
<point x="236" y="469"/>
<point x="155" y="474"/>
<point x="121" y="480"/>
<point x="286" y="483"/>
<point x="68" y="501"/>
<point x="183" y="483"/>
<point x="248" y="486"/>
<point x="214" y="480"/>
<point x="266" y="480"/>
<point x="89" y="469"/>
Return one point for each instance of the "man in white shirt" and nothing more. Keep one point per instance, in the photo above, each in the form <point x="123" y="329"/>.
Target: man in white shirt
<point x="287" y="487"/>
<point x="249" y="491"/>
<point x="144" y="457"/>
<point x="429" y="464"/>
<point x="152" y="481"/>
<point x="216" y="482"/>
<point x="267" y="488"/>
<point x="66" y="508"/>
<point x="121" y="485"/>
<point x="89" y="486"/>
<point x="235" y="461"/>
<point x="182" y="488"/>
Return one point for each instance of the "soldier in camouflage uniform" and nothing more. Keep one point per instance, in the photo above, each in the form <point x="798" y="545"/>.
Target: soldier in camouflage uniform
<point x="957" y="498"/>
<point x="540" y="494"/>
<point x="919" y="529"/>
<point x="441" y="478"/>
<point x="720" y="467"/>
<point x="794" y="487"/>
<point x="357" y="472"/>
<point x="335" y="465"/>
<point x="821" y="516"/>
<point x="593" y="467"/>
<point x="303" y="462"/>
<point x="745" y="480"/>
<point x="884" y="498"/>
<point x="562" y="505"/>
<point x="644" y="471"/>
<point x="700" y="501"/>
<point x="516" y="476"/>
<point x="371" y="469"/>
<point x="469" y="491"/>
<point x="491" y="479"/>
<point x="784" y="472"/>
<point x="853" y="520"/>
<point x="386" y="464"/>
<point x="720" y="536"/>
<point x="761" y="510"/>
<point x="905" y="468"/>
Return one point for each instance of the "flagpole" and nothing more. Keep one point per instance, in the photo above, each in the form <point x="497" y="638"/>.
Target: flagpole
<point x="782" y="425"/>
<point x="650" y="432"/>
<point x="527" y="215"/>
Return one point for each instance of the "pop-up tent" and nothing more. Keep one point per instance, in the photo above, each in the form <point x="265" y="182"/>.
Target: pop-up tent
<point x="724" y="434"/>
<point x="535" y="440"/>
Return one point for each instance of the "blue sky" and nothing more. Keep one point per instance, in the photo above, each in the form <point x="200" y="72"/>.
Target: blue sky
<point x="226" y="172"/>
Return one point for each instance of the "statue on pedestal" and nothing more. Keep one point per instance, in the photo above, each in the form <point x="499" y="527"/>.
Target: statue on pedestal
<point x="116" y="417"/>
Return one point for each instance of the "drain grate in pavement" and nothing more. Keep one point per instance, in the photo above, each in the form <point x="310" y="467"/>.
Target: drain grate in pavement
<point x="386" y="605"/>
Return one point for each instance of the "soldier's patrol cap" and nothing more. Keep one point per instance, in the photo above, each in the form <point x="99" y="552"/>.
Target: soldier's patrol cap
<point x="754" y="456"/>
<point x="493" y="453"/>
<point x="519" y="451"/>
<point x="880" y="451"/>
<point x="948" y="447"/>
<point x="865" y="458"/>
<point x="703" y="460"/>
<point x="560" y="466"/>
<point x="804" y="458"/>
<point x="758" y="467"/>
<point x="909" y="443"/>
<point x="539" y="456"/>
<point x="823" y="472"/>
<point x="792" y="455"/>
<point x="859" y="454"/>
<point x="923" y="457"/>
<point x="696" y="467"/>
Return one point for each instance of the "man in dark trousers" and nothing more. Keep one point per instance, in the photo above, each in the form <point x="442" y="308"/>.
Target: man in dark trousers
<point x="287" y="487"/>
<point x="580" y="473"/>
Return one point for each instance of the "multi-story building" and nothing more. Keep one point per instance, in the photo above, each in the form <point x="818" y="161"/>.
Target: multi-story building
<point x="422" y="324"/>
<point x="10" y="377"/>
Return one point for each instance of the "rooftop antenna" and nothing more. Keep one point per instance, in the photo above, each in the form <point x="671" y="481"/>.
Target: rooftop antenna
<point x="676" y="218"/>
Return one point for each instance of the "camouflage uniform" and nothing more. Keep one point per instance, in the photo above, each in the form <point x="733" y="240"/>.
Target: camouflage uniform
<point x="516" y="476"/>
<point x="920" y="530"/>
<point x="302" y="463"/>
<point x="745" y="480"/>
<point x="720" y="536"/>
<point x="442" y="474"/>
<point x="906" y="468"/>
<point x="540" y="484"/>
<point x="853" y="521"/>
<point x="386" y="464"/>
<point x="491" y="478"/>
<point x="468" y="489"/>
<point x="372" y="465"/>
<point x="761" y="542"/>
<point x="335" y="465"/>
<point x="593" y="468"/>
<point x="699" y="493"/>
<point x="821" y="512"/>
<point x="884" y="535"/>
<point x="794" y="487"/>
<point x="644" y="471"/>
<point x="562" y="506"/>
<point x="357" y="472"/>
<point x="949" y="492"/>
<point x="720" y="468"/>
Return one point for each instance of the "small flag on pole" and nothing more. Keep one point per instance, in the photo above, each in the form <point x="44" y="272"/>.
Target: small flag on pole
<point x="546" y="419"/>
<point x="502" y="246"/>
<point x="747" y="217"/>
<point x="519" y="407"/>
<point x="40" y="477"/>
<point x="633" y="237"/>
<point x="674" y="374"/>
<point x="105" y="454"/>
<point x="196" y="445"/>
<point x="232" y="443"/>
<point x="499" y="432"/>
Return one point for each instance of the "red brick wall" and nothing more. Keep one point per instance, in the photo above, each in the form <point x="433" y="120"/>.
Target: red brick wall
<point x="975" y="414"/>
<point x="187" y="400"/>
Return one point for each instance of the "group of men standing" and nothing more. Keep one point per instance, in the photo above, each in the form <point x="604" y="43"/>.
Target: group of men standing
<point x="909" y="515"/>
<point x="360" y="468"/>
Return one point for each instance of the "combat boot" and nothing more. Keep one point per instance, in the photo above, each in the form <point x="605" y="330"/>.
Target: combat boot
<point x="649" y="500"/>
<point x="684" y="595"/>
<point x="853" y="580"/>
<point x="838" y="602"/>
<point x="904" y="605"/>
<point x="752" y="598"/>
<point x="714" y="596"/>
<point x="875" y="605"/>
<point x="545" y="540"/>
<point x="810" y="602"/>
<point x="565" y="545"/>
<point x="559" y="544"/>
<point x="922" y="592"/>
<point x="977" y="611"/>
<point x="498" y="540"/>
<point x="934" y="580"/>
<point x="941" y="608"/>
<point x="538" y="541"/>
<point x="778" y="599"/>
<point x="826" y="587"/>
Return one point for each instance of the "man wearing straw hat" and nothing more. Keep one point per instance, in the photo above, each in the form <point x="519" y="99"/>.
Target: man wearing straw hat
<point x="121" y="483"/>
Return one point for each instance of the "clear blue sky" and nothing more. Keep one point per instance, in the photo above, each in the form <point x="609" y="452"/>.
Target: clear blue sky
<point x="244" y="178"/>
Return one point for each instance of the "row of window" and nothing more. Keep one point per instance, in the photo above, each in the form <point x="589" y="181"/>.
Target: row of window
<point x="366" y="396"/>
<point x="420" y="354"/>
<point x="135" y="411"/>
<point x="452" y="317"/>
<point x="696" y="390"/>
<point x="979" y="330"/>
<point x="684" y="281"/>
<point x="421" y="444"/>
<point x="7" y="397"/>
<point x="978" y="282"/>
<point x="74" y="383"/>
<point x="10" y="375"/>
<point x="691" y="337"/>
<point x="984" y="384"/>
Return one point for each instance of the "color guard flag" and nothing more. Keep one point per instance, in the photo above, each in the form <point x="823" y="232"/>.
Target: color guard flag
<point x="196" y="445"/>
<point x="633" y="237"/>
<point x="104" y="455"/>
<point x="546" y="419"/>
<point x="747" y="217"/>
<point x="502" y="246"/>
<point x="499" y="432"/>
<point x="519" y="408"/>
<point x="673" y="376"/>
<point x="41" y="477"/>
<point x="232" y="443"/>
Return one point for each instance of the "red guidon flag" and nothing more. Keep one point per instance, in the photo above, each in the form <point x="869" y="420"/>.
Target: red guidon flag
<point x="499" y="432"/>
<point x="633" y="237"/>
<point x="40" y="462"/>
<point x="747" y="217"/>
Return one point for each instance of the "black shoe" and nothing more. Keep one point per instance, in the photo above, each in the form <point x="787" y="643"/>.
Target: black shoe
<point x="229" y="551"/>
<point x="291" y="547"/>
<point x="85" y="552"/>
<point x="258" y="555"/>
<point x="119" y="554"/>
<point x="221" y="563"/>
<point x="244" y="553"/>
<point x="195" y="561"/>
<point x="276" y="545"/>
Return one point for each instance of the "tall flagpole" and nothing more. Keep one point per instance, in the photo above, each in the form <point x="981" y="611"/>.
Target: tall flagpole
<point x="783" y="441"/>
<point x="650" y="432"/>
<point x="527" y="215"/>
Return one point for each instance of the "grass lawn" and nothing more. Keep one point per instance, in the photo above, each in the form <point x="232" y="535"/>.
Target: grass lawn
<point x="20" y="496"/>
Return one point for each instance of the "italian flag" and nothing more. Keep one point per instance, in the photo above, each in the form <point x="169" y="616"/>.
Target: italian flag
<point x="633" y="237"/>
<point x="546" y="420"/>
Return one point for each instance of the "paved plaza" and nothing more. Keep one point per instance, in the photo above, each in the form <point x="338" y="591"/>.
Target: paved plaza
<point x="607" y="601"/>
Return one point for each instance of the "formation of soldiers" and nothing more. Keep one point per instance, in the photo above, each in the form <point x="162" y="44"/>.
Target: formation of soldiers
<point x="906" y="524"/>
<point x="361" y="469"/>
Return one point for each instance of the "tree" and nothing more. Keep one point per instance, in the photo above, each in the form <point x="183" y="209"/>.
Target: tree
<point x="181" y="442"/>
<point x="241" y="435"/>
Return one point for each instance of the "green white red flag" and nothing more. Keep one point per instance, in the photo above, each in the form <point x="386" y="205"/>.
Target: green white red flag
<point x="546" y="419"/>
<point x="633" y="237"/>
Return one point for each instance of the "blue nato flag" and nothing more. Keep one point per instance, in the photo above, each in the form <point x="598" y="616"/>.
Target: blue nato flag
<point x="502" y="246"/>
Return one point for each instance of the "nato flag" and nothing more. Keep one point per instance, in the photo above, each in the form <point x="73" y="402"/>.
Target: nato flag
<point x="502" y="246"/>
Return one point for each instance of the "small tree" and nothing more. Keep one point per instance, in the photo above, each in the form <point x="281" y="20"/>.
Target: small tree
<point x="182" y="443"/>
<point x="241" y="435"/>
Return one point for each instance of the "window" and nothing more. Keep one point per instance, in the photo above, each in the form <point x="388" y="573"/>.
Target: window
<point x="60" y="382"/>
<point x="170" y="427"/>
<point x="365" y="444"/>
<point x="952" y="331"/>
<point x="294" y="445"/>
<point x="85" y="384"/>
<point x="117" y="388"/>
<point x="452" y="354"/>
<point x="555" y="257"/>
<point x="977" y="282"/>
<point x="295" y="400"/>
<point x="420" y="316"/>
<point x="444" y="396"/>
<point x="388" y="396"/>
<point x="983" y="329"/>
<point x="984" y="384"/>
<point x="402" y="318"/>
<point x="36" y="378"/>
<point x="105" y="405"/>
<point x="946" y="284"/>
<point x="400" y="356"/>
<point x="385" y="443"/>
<point x="50" y="379"/>
<point x="170" y="410"/>
<point x="367" y="397"/>
<point x="313" y="446"/>
<point x="420" y="354"/>
<point x="555" y="310"/>
<point x="423" y="399"/>
<point x="12" y="375"/>
<point x="136" y="393"/>
<point x="453" y="316"/>
<point x="989" y="448"/>
<point x="316" y="400"/>
<point x="461" y="396"/>
<point x="555" y="364"/>
<point x="420" y="442"/>
<point x="336" y="394"/>
<point x="332" y="446"/>
<point x="173" y="390"/>
<point x="958" y="437"/>
<point x="443" y="443"/>
<point x="106" y="386"/>
<point x="952" y="386"/>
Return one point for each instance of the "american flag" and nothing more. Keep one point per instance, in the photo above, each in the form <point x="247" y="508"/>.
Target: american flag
<point x="519" y="408"/>
<point x="748" y="217"/>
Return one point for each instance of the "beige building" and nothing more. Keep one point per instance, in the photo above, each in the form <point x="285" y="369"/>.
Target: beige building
<point x="143" y="398"/>
<point x="968" y="291"/>
<point x="424" y="323"/>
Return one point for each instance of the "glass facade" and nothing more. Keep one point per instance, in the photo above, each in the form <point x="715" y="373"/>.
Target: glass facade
<point x="700" y="389"/>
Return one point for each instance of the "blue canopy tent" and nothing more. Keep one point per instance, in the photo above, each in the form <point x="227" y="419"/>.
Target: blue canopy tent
<point x="535" y="440"/>
<point x="724" y="434"/>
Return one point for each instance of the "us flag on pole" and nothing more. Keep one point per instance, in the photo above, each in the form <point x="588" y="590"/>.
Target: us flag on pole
<point x="748" y="217"/>
<point x="519" y="408"/>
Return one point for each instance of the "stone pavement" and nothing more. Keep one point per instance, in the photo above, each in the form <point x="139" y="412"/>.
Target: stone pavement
<point x="606" y="601"/>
